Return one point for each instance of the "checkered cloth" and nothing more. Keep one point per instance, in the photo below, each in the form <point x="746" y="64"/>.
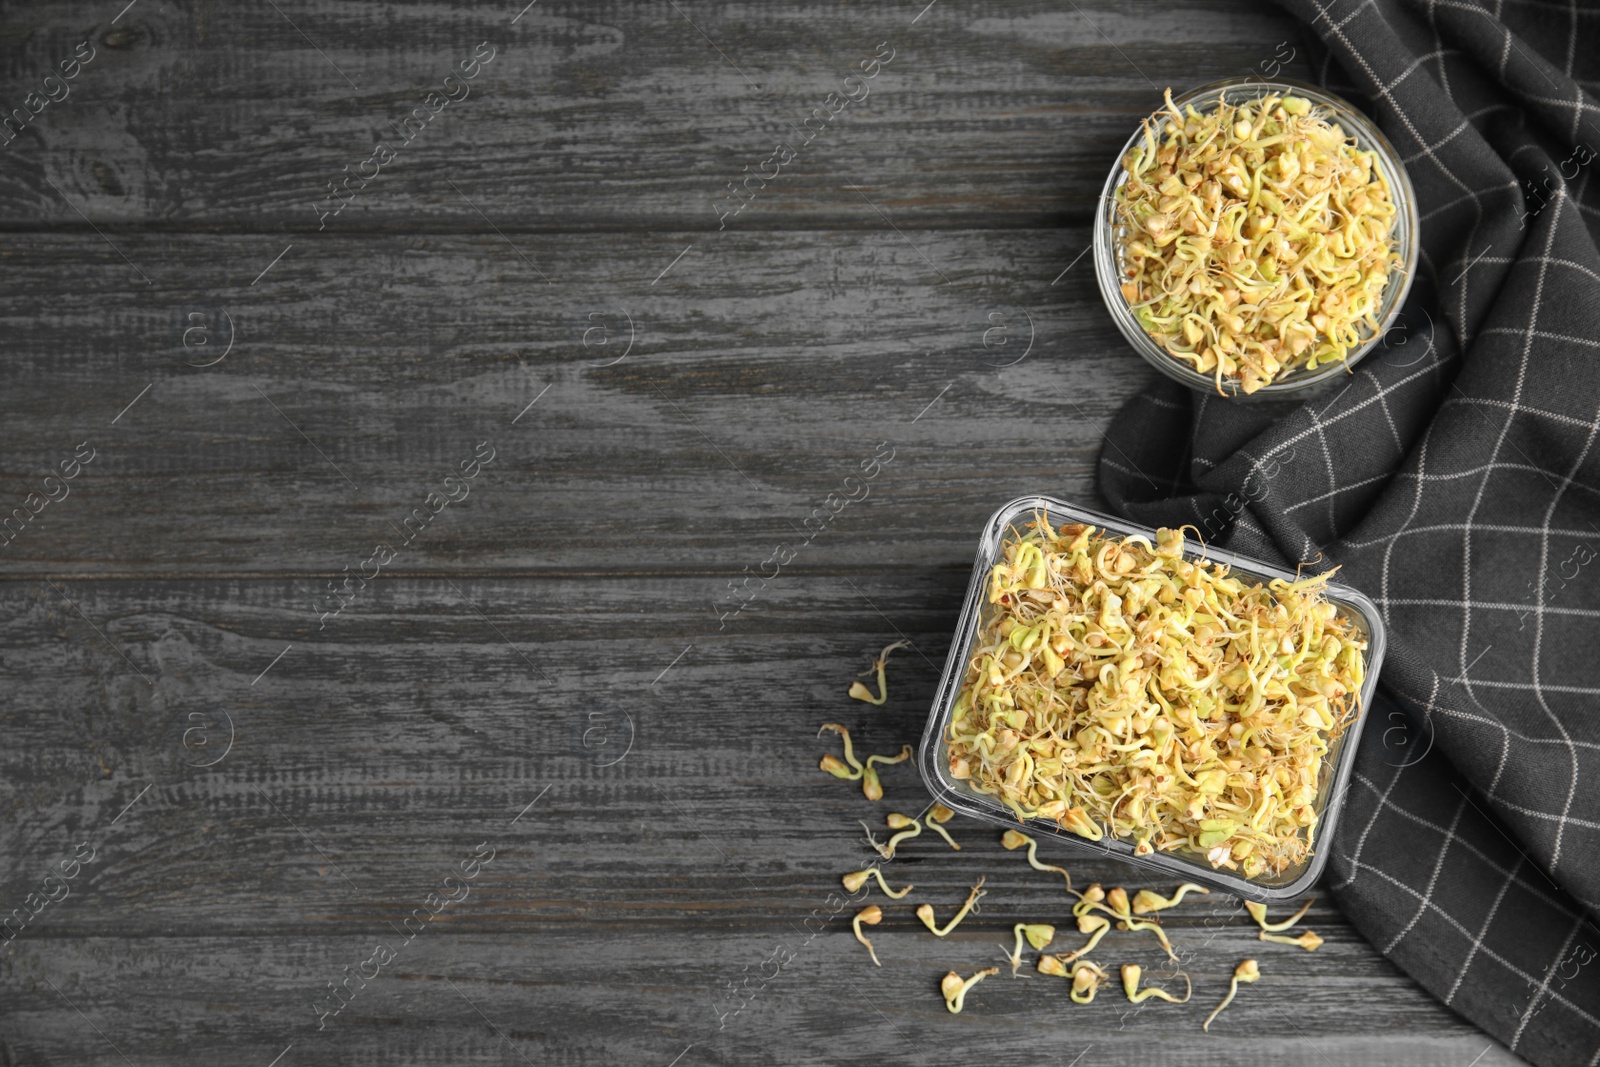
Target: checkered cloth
<point x="1456" y="480"/>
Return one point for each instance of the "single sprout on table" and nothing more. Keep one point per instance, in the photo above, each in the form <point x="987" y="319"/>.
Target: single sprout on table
<point x="1247" y="971"/>
<point x="1258" y="238"/>
<point x="1307" y="940"/>
<point x="1012" y="840"/>
<point x="925" y="911"/>
<point x="937" y="817"/>
<point x="1114" y="683"/>
<point x="872" y="916"/>
<point x="1087" y="978"/>
<point x="907" y="826"/>
<point x="1258" y="912"/>
<point x="1038" y="934"/>
<point x="1146" y="901"/>
<point x="856" y="879"/>
<point x="851" y="769"/>
<point x="1093" y="925"/>
<point x="954" y="988"/>
<point x="870" y="786"/>
<point x="861" y="692"/>
<point x="1130" y="986"/>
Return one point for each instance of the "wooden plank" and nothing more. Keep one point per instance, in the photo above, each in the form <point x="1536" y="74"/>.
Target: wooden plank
<point x="618" y="994"/>
<point x="638" y="872"/>
<point x="764" y="370"/>
<point x="624" y="114"/>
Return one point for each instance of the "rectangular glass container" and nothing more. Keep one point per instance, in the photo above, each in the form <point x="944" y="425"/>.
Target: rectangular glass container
<point x="933" y="755"/>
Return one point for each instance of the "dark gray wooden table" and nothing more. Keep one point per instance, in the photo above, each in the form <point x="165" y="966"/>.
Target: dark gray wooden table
<point x="246" y="746"/>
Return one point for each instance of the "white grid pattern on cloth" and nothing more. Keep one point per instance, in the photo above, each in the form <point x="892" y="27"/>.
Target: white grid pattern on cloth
<point x="1505" y="731"/>
<point x="1492" y="605"/>
<point x="1544" y="984"/>
<point x="1483" y="948"/>
<point x="1538" y="629"/>
<point x="1425" y="902"/>
<point x="1466" y="570"/>
<point x="1531" y="888"/>
<point x="1372" y="820"/>
<point x="1364" y="482"/>
<point x="1483" y="930"/>
<point x="1433" y="879"/>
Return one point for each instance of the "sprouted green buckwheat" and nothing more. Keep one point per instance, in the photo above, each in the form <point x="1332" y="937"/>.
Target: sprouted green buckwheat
<point x="1116" y="687"/>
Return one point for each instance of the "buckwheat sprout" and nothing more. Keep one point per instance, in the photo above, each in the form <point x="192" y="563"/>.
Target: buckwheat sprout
<point x="925" y="912"/>
<point x="1093" y="925"/>
<point x="872" y="916"/>
<point x="870" y="785"/>
<point x="1117" y="687"/>
<point x="937" y="816"/>
<point x="1307" y="940"/>
<point x="1087" y="978"/>
<point x="861" y="692"/>
<point x="1130" y="986"/>
<point x="1247" y="971"/>
<point x="1038" y="934"/>
<point x="1258" y="912"/>
<point x="856" y="879"/>
<point x="907" y="826"/>
<point x="831" y="764"/>
<point x="1259" y="238"/>
<point x="954" y="988"/>
<point x="1088" y="899"/>
<point x="1115" y="903"/>
<point x="1146" y="901"/>
<point x="1012" y="840"/>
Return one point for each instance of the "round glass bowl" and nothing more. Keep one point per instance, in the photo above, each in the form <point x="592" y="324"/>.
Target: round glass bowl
<point x="1109" y="234"/>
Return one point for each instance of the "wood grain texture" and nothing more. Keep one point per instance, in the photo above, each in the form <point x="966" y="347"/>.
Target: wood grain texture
<point x="551" y="666"/>
<point x="764" y="369"/>
<point x="617" y="114"/>
<point x="375" y="755"/>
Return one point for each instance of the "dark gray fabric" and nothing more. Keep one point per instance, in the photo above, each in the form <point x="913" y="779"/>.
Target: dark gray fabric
<point x="1456" y="480"/>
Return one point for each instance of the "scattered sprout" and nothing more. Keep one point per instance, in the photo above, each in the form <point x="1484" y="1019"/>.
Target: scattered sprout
<point x="1247" y="971"/>
<point x="1130" y="986"/>
<point x="1258" y="238"/>
<point x="872" y="916"/>
<point x="907" y="826"/>
<point x="925" y="911"/>
<point x="936" y="820"/>
<point x="955" y="988"/>
<point x="1087" y="978"/>
<point x="851" y="770"/>
<point x="1115" y="683"/>
<point x="1038" y="934"/>
<point x="1258" y="912"/>
<point x="869" y="774"/>
<point x="1093" y="925"/>
<point x="1308" y="940"/>
<point x="856" y="879"/>
<point x="1146" y="900"/>
<point x="861" y="692"/>
<point x="1015" y="839"/>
